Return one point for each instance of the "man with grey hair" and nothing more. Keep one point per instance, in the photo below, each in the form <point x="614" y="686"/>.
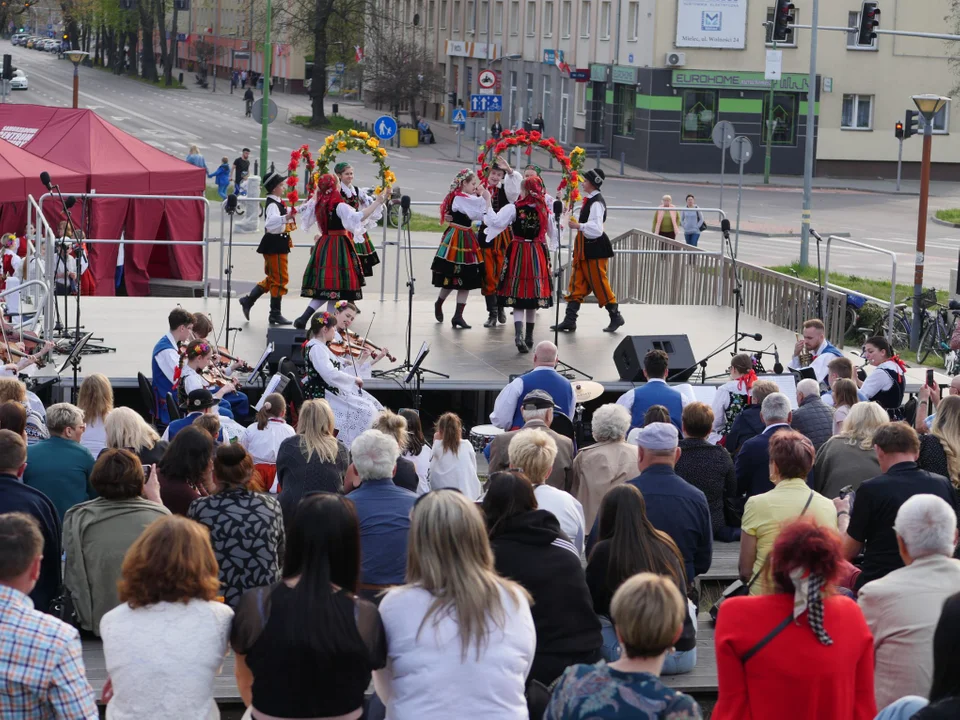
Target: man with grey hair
<point x="60" y="466"/>
<point x="813" y="417"/>
<point x="537" y="412"/>
<point x="506" y="409"/>
<point x="609" y="462"/>
<point x="753" y="460"/>
<point x="903" y="607"/>
<point x="383" y="510"/>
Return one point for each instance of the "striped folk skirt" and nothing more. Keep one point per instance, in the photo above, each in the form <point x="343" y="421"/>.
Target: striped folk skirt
<point x="334" y="271"/>
<point x="458" y="264"/>
<point x="368" y="255"/>
<point x="525" y="280"/>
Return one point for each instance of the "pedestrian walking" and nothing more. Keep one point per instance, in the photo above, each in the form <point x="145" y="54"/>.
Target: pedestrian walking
<point x="538" y="123"/>
<point x="195" y="158"/>
<point x="496" y="130"/>
<point x="692" y="222"/>
<point x="222" y="177"/>
<point x="241" y="169"/>
<point x="234" y="80"/>
<point x="666" y="222"/>
<point x="243" y="78"/>
<point x="248" y="101"/>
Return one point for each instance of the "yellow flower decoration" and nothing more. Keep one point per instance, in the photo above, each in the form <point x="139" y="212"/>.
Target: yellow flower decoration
<point x="344" y="140"/>
<point x="341" y="146"/>
<point x="353" y="133"/>
<point x="363" y="135"/>
<point x="372" y="143"/>
<point x="382" y="152"/>
<point x="329" y="139"/>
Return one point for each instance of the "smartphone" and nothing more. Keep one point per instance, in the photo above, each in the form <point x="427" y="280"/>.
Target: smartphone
<point x="930" y="381"/>
<point x="848" y="491"/>
<point x="146" y="471"/>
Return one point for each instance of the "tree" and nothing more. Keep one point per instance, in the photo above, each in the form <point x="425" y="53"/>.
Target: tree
<point x="204" y="52"/>
<point x="401" y="73"/>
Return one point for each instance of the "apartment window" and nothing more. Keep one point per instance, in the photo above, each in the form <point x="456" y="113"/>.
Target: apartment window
<point x="633" y="21"/>
<point x="443" y="14"/>
<point x="585" y="8"/>
<point x="471" y="17"/>
<point x="498" y="17"/>
<point x="531" y="18"/>
<point x="484" y="12"/>
<point x="456" y="15"/>
<point x="528" y="112"/>
<point x="784" y="118"/>
<point x="941" y="121"/>
<point x="857" y="113"/>
<point x="624" y="109"/>
<point x="699" y="115"/>
<point x="605" y="20"/>
<point x="547" y="108"/>
<point x="515" y="17"/>
<point x="431" y="10"/>
<point x="580" y="98"/>
<point x="791" y="40"/>
<point x="566" y="18"/>
<point x="547" y="20"/>
<point x="853" y="20"/>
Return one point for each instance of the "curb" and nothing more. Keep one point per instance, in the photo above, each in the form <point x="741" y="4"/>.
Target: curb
<point x="934" y="219"/>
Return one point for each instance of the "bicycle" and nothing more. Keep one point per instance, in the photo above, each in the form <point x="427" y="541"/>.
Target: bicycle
<point x="936" y="337"/>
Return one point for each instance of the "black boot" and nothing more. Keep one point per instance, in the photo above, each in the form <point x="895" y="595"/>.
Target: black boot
<point x="518" y="337"/>
<point x="569" y="323"/>
<point x="529" y="339"/>
<point x="491" y="311"/>
<point x="458" y="320"/>
<point x="438" y="309"/>
<point x="301" y="322"/>
<point x="502" y="315"/>
<point x="616" y="319"/>
<point x="247" y="301"/>
<point x="275" y="317"/>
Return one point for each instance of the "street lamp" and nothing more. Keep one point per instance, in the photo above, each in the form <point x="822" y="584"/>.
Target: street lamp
<point x="929" y="106"/>
<point x="76" y="56"/>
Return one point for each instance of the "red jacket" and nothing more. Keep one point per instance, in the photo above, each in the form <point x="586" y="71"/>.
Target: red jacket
<point x="794" y="677"/>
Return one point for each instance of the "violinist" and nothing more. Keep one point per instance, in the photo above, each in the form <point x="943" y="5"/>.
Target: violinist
<point x="202" y="327"/>
<point x="366" y="355"/>
<point x="166" y="358"/>
<point x="194" y="375"/>
<point x="17" y="360"/>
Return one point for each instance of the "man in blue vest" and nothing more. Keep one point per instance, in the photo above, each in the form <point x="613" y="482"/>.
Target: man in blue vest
<point x="656" y="366"/>
<point x="199" y="402"/>
<point x="506" y="410"/>
<point x="821" y="352"/>
<point x="166" y="358"/>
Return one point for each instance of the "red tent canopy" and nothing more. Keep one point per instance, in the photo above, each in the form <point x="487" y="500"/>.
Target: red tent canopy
<point x="20" y="176"/>
<point x="117" y="163"/>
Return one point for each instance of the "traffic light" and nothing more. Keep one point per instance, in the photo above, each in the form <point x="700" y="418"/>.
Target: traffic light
<point x="869" y="21"/>
<point x="782" y="19"/>
<point x="66" y="37"/>
<point x="8" y="67"/>
<point x="452" y="97"/>
<point x="911" y="124"/>
<point x="898" y="130"/>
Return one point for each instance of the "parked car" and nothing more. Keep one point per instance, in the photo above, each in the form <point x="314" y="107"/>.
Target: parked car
<point x="19" y="81"/>
<point x="19" y="38"/>
<point x="51" y="45"/>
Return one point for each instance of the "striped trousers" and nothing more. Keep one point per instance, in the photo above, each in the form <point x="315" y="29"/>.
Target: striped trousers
<point x="275" y="268"/>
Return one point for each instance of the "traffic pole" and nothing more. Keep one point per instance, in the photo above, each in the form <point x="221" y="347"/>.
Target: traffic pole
<point x="265" y="110"/>
<point x="899" y="163"/>
<point x="921" y="233"/>
<point x="808" y="156"/>
<point x="767" y="158"/>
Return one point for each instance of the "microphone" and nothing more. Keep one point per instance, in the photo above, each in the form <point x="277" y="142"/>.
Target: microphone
<point x="45" y="179"/>
<point x="557" y="209"/>
<point x="70" y="202"/>
<point x="405" y="203"/>
<point x="777" y="367"/>
<point x="231" y="204"/>
<point x="753" y="336"/>
<point x="815" y="234"/>
<point x="725" y="228"/>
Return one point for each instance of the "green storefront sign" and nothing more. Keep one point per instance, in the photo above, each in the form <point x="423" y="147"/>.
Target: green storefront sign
<point x="788" y="82"/>
<point x="624" y="75"/>
<point x="598" y="73"/>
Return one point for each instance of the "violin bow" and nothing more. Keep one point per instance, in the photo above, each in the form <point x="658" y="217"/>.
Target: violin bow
<point x="6" y="342"/>
<point x="369" y="328"/>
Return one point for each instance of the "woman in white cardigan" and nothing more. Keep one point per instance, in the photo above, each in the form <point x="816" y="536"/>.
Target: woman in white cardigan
<point x="453" y="463"/>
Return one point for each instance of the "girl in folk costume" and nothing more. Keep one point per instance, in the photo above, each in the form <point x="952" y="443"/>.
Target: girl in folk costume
<point x="334" y="271"/>
<point x="262" y="439"/>
<point x="80" y="258"/>
<point x="525" y="279"/>
<point x="534" y="171"/>
<point x="197" y="355"/>
<point x="458" y="264"/>
<point x="358" y="200"/>
<point x="346" y="312"/>
<point x="887" y="383"/>
<point x="353" y="407"/>
<point x="504" y="186"/>
<point x="733" y="396"/>
<point x="12" y="268"/>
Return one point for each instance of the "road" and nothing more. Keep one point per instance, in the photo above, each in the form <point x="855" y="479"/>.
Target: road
<point x="172" y="120"/>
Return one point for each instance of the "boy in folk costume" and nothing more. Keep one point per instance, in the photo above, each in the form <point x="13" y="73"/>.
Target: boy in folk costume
<point x="359" y="200"/>
<point x="591" y="253"/>
<point x="275" y="247"/>
<point x="504" y="186"/>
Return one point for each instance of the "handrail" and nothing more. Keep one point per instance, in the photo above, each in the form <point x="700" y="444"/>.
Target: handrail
<point x="41" y="227"/>
<point x="893" y="273"/>
<point x="45" y="293"/>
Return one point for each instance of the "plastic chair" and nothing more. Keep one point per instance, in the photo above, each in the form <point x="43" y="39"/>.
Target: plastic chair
<point x="563" y="425"/>
<point x="173" y="410"/>
<point x="147" y="397"/>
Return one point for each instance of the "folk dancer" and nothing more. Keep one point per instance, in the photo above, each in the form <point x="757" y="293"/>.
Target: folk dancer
<point x="358" y="200"/>
<point x="504" y="186"/>
<point x="458" y="264"/>
<point x="815" y="351"/>
<point x="166" y="359"/>
<point x="12" y="268"/>
<point x="334" y="271"/>
<point x="275" y="247"/>
<point x="525" y="279"/>
<point x="346" y="312"/>
<point x="591" y="253"/>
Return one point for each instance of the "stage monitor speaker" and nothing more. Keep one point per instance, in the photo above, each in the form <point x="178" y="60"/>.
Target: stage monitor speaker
<point x="629" y="355"/>
<point x="288" y="343"/>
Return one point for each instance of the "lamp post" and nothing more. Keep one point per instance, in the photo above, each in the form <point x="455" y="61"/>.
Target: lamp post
<point x="76" y="57"/>
<point x="929" y="106"/>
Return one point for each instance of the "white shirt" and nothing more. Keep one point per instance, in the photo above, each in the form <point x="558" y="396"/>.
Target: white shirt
<point x="721" y="401"/>
<point x="626" y="400"/>
<point x="263" y="444"/>
<point x="428" y="678"/>
<point x="593" y="227"/>
<point x="472" y="206"/>
<point x="348" y="191"/>
<point x="819" y="363"/>
<point x="163" y="658"/>
<point x="191" y="380"/>
<point x="497" y="222"/>
<point x="566" y="508"/>
<point x="505" y="405"/>
<point x="274" y="221"/>
<point x="422" y="463"/>
<point x="169" y="359"/>
<point x="455" y="471"/>
<point x="94" y="437"/>
<point x="878" y="380"/>
<point x="352" y="219"/>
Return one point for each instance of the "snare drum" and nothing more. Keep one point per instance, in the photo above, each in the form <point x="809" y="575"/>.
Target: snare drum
<point x="482" y="435"/>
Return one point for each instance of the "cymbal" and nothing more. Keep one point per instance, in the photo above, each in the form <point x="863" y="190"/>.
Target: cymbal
<point x="587" y="390"/>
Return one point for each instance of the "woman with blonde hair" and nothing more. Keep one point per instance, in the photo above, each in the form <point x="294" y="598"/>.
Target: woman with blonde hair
<point x="848" y="458"/>
<point x="96" y="401"/>
<point x="389" y="423"/>
<point x="666" y="222"/>
<point x="844" y="398"/>
<point x="263" y="439"/>
<point x="940" y="448"/>
<point x="11" y="389"/>
<point x="311" y="461"/>
<point x="458" y="635"/>
<point x="124" y="428"/>
<point x="453" y="463"/>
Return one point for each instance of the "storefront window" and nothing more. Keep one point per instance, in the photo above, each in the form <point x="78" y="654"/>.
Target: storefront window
<point x="699" y="115"/>
<point x="784" y="118"/>
<point x="625" y="103"/>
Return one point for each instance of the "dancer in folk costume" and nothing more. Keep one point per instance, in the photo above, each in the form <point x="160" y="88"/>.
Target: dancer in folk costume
<point x="353" y="408"/>
<point x="459" y="264"/>
<point x="525" y="278"/>
<point x="504" y="186"/>
<point x="12" y="269"/>
<point x="334" y="271"/>
<point x="358" y="200"/>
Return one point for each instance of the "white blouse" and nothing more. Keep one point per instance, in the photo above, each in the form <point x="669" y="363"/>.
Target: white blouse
<point x="878" y="381"/>
<point x="94" y="437"/>
<point x="498" y="221"/>
<point x="352" y="219"/>
<point x="348" y="191"/>
<point x="472" y="206"/>
<point x="721" y="401"/>
<point x="191" y="380"/>
<point x="322" y="360"/>
<point x="263" y="444"/>
<point x="455" y="471"/>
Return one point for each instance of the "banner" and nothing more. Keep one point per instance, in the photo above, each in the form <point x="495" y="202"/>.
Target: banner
<point x="712" y="23"/>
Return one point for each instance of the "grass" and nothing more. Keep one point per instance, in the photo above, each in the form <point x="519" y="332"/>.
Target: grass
<point x="211" y="194"/>
<point x="334" y="123"/>
<point x="422" y="223"/>
<point x="868" y="286"/>
<point x="951" y="215"/>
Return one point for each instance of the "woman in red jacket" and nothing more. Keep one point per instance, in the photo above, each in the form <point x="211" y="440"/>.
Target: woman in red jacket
<point x="814" y="652"/>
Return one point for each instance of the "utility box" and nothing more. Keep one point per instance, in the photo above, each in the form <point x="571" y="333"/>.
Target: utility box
<point x="409" y="137"/>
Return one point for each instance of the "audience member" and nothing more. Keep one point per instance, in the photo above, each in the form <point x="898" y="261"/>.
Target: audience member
<point x="803" y="652"/>
<point x="12" y="390"/>
<point x="733" y="396"/>
<point x="673" y="505"/>
<point x="210" y="424"/>
<point x="533" y="452"/>
<point x="886" y="384"/>
<point x="929" y="397"/>
<point x="655" y="413"/>
<point x="655" y="391"/>
<point x="453" y="463"/>
<point x="812" y="418"/>
<point x="748" y="424"/>
<point x="186" y="470"/>
<point x="41" y="660"/>
<point x="125" y="429"/>
<point x="945" y="690"/>
<point x="263" y="438"/>
<point x="791" y="457"/>
<point x="610" y="462"/>
<point x="306" y="646"/>
<point x="460" y="639"/>
<point x="98" y="533"/>
<point x="389" y="423"/>
<point x="537" y="411"/>
<point x="96" y="401"/>
<point x="940" y="448"/>
<point x="844" y="397"/>
<point x="311" y="461"/>
<point x="417" y="449"/>
<point x="840" y="368"/>
<point x="849" y="458"/>
<point x="200" y="402"/>
<point x="902" y="608"/>
<point x="164" y="644"/>
<point x="629" y="544"/>
<point x="707" y="467"/>
<point x="753" y="461"/>
<point x="246" y="527"/>
<point x="506" y="410"/>
<point x="383" y="509"/>
<point x="13" y="417"/>
<point x="878" y="500"/>
<point x="60" y="466"/>
<point x="530" y="549"/>
<point x="649" y="612"/>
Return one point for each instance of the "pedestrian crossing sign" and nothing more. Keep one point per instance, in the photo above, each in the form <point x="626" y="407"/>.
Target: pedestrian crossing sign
<point x="459" y="116"/>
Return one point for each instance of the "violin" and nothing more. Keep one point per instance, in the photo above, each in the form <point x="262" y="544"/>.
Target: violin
<point x="214" y="376"/>
<point x="343" y="349"/>
<point x="357" y="341"/>
<point x="12" y="354"/>
<point x="226" y="359"/>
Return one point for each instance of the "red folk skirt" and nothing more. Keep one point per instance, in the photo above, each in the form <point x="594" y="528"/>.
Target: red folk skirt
<point x="459" y="262"/>
<point x="334" y="271"/>
<point x="525" y="280"/>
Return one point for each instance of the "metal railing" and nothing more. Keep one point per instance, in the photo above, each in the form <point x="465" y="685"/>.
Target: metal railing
<point x="893" y="275"/>
<point x="43" y="295"/>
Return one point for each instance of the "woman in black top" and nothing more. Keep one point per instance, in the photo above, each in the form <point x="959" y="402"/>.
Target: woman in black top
<point x="306" y="647"/>
<point x="530" y="549"/>
<point x="630" y="544"/>
<point x="940" y="448"/>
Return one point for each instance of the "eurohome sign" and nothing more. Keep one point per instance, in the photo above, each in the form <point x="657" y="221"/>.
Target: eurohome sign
<point x="712" y="23"/>
<point x="788" y="82"/>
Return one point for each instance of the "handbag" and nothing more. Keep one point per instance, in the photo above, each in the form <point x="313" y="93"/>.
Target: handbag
<point x="62" y="607"/>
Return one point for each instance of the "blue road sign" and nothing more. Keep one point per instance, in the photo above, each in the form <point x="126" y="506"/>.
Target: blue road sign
<point x="486" y="103"/>
<point x="459" y="116"/>
<point x="385" y="127"/>
<point x="339" y="67"/>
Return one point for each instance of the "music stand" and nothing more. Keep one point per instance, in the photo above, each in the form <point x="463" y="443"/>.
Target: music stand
<point x="73" y="360"/>
<point x="416" y="373"/>
<point x="258" y="368"/>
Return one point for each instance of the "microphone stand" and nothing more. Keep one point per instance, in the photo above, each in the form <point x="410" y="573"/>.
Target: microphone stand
<point x="231" y="209"/>
<point x="737" y="289"/>
<point x="565" y="369"/>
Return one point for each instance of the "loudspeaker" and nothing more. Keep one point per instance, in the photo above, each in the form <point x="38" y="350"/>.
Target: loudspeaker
<point x="287" y="342"/>
<point x="629" y="354"/>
